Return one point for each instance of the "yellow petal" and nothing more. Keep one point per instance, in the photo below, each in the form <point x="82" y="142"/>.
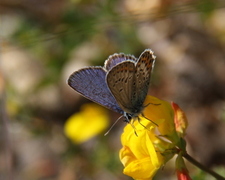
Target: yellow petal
<point x="141" y="169"/>
<point x="126" y="156"/>
<point x="161" y="113"/>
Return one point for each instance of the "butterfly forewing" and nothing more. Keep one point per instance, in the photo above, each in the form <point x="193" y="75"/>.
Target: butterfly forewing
<point x="120" y="81"/>
<point x="90" y="82"/>
<point x="144" y="68"/>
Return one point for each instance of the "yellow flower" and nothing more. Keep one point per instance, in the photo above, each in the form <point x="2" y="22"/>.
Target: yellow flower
<point x="90" y="121"/>
<point x="143" y="154"/>
<point x="139" y="156"/>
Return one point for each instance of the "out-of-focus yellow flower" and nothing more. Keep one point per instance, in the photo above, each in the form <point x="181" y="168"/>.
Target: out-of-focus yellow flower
<point x="180" y="120"/>
<point x="143" y="154"/>
<point x="90" y="121"/>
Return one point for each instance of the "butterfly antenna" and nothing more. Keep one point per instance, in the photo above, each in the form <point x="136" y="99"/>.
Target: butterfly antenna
<point x="113" y="125"/>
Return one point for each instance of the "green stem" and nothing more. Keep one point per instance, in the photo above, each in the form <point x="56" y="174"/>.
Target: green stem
<point x="196" y="163"/>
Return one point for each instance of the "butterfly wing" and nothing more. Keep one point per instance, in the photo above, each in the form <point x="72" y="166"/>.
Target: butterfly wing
<point x="120" y="82"/>
<point x="144" y="67"/>
<point x="115" y="59"/>
<point x="90" y="82"/>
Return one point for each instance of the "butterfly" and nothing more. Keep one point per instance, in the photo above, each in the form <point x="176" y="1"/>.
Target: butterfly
<point x="121" y="84"/>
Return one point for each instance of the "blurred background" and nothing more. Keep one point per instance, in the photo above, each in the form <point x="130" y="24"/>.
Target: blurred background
<point x="49" y="132"/>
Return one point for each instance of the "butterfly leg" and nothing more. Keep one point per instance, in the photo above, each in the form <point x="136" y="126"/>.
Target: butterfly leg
<point x="152" y="104"/>
<point x="148" y="119"/>
<point x="135" y="132"/>
<point x="139" y="120"/>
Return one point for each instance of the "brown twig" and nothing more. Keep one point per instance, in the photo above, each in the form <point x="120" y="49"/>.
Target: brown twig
<point x="199" y="165"/>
